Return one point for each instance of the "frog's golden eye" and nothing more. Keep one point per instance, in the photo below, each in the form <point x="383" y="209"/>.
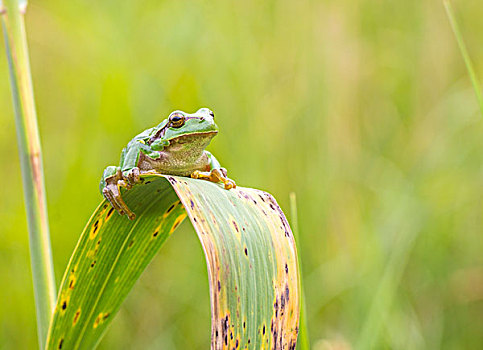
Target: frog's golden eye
<point x="176" y="120"/>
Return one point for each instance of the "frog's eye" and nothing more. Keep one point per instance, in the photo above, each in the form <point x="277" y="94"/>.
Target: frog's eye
<point x="176" y="120"/>
<point x="212" y="114"/>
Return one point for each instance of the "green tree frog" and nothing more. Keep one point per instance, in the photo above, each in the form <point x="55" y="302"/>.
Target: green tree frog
<point x="175" y="147"/>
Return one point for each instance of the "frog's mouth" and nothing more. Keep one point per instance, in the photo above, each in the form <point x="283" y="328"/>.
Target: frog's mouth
<point x="193" y="137"/>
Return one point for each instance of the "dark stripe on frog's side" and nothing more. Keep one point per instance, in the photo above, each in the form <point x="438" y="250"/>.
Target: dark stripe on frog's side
<point x="160" y="133"/>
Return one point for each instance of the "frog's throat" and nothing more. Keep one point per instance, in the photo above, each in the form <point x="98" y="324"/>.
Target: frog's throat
<point x="194" y="135"/>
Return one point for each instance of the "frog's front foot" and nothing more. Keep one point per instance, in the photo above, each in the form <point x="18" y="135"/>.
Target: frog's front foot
<point x="215" y="175"/>
<point x="131" y="177"/>
<point x="112" y="192"/>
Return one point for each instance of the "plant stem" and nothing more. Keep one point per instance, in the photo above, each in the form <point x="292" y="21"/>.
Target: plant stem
<point x="464" y="53"/>
<point x="31" y="162"/>
<point x="303" y="342"/>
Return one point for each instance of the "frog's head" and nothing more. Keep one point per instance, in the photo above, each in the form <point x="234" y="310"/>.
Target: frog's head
<point x="183" y="128"/>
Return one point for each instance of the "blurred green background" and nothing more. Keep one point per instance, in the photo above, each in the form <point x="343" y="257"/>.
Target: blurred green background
<point x="363" y="108"/>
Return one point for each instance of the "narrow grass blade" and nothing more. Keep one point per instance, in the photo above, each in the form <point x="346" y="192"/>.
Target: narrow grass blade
<point x="407" y="222"/>
<point x="31" y="161"/>
<point x="304" y="340"/>
<point x="464" y="53"/>
<point x="249" y="249"/>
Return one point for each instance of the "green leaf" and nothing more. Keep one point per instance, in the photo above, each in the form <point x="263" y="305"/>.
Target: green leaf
<point x="250" y="253"/>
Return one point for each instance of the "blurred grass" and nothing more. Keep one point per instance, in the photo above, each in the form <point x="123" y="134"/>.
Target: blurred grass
<point x="464" y="52"/>
<point x="363" y="108"/>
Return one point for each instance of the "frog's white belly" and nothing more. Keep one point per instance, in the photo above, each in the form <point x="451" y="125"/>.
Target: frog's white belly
<point x="181" y="164"/>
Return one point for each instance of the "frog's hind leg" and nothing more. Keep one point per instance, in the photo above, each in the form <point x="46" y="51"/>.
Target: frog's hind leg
<point x="215" y="175"/>
<point x="112" y="192"/>
<point x="113" y="195"/>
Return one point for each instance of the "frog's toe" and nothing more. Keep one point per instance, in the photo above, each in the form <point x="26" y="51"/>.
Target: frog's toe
<point x="132" y="176"/>
<point x="196" y="174"/>
<point x="220" y="175"/>
<point x="229" y="184"/>
<point x="124" y="184"/>
<point x="224" y="172"/>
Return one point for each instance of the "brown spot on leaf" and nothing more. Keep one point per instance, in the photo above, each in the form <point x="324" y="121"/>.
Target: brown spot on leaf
<point x="178" y="221"/>
<point x="76" y="317"/>
<point x="176" y="224"/>
<point x="172" y="179"/>
<point x="100" y="318"/>
<point x="109" y="213"/>
<point x="282" y="304"/>
<point x="94" y="229"/>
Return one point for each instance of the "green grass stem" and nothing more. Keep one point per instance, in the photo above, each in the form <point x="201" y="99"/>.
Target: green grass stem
<point x="464" y="53"/>
<point x="303" y="342"/>
<point x="31" y="161"/>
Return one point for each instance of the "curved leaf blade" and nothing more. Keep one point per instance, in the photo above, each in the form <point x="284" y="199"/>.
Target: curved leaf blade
<point x="254" y="283"/>
<point x="249" y="249"/>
